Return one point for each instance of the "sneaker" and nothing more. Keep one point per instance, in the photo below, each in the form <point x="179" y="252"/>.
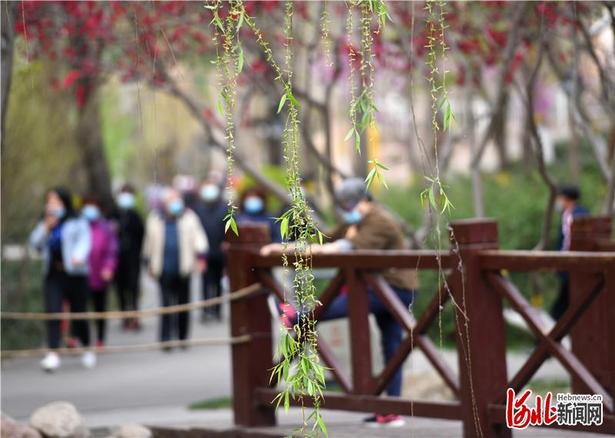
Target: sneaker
<point x="135" y="325"/>
<point x="289" y="314"/>
<point x="50" y="362"/>
<point x="285" y="312"/>
<point x="390" y="420"/>
<point x="72" y="343"/>
<point x="100" y="344"/>
<point x="88" y="359"/>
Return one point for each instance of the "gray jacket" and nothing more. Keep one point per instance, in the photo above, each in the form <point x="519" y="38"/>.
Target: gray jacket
<point x="76" y="245"/>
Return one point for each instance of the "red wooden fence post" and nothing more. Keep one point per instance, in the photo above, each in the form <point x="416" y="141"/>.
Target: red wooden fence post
<point x="360" y="345"/>
<point x="593" y="335"/>
<point x="252" y="361"/>
<point x="482" y="372"/>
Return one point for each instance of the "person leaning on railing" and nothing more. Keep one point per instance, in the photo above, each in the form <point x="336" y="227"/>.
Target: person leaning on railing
<point x="367" y="225"/>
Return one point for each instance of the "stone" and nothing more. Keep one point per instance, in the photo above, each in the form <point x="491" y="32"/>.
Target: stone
<point x="59" y="420"/>
<point x="9" y="428"/>
<point x="133" y="431"/>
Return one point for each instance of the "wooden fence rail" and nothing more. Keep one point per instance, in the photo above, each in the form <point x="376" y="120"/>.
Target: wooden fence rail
<point x="478" y="291"/>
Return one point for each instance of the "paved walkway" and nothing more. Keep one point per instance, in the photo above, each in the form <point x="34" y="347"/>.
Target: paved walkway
<point x="155" y="388"/>
<point x="124" y="380"/>
<point x="349" y="425"/>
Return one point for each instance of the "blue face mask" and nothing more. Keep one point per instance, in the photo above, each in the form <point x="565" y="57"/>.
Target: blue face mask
<point x="210" y="192"/>
<point x="253" y="205"/>
<point x="126" y="200"/>
<point x="58" y="212"/>
<point x="91" y="212"/>
<point x="175" y="207"/>
<point x="352" y="217"/>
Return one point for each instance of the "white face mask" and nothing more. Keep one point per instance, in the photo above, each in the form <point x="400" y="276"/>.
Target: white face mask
<point x="126" y="200"/>
<point x="210" y="192"/>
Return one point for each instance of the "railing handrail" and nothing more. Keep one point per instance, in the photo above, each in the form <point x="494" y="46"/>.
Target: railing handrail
<point x="526" y="261"/>
<point x="362" y="259"/>
<point x="493" y="259"/>
<point x="482" y="375"/>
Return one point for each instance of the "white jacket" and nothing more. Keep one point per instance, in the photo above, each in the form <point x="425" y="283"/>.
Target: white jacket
<point x="191" y="237"/>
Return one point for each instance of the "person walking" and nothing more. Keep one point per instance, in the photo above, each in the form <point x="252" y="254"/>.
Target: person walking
<point x="64" y="240"/>
<point x="568" y="203"/>
<point x="174" y="247"/>
<point x="102" y="261"/>
<point x="211" y="210"/>
<point x="130" y="231"/>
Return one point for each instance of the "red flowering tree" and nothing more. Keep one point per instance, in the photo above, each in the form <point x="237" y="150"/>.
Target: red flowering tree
<point x="145" y="40"/>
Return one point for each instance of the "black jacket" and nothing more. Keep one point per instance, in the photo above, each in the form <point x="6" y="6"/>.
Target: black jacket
<point x="212" y="219"/>
<point x="130" y="231"/>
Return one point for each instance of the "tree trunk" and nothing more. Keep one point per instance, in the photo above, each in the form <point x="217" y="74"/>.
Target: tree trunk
<point x="7" y="10"/>
<point x="477" y="184"/>
<point x="91" y="145"/>
<point x="500" y="133"/>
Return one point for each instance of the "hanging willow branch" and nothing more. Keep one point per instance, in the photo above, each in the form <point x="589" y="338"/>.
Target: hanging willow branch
<point x="299" y="370"/>
<point x="230" y="63"/>
<point x="362" y="106"/>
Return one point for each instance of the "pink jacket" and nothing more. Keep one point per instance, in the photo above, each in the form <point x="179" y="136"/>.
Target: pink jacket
<point x="103" y="255"/>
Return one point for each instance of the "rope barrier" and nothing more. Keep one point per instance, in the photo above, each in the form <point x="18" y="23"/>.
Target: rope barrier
<point x="117" y="314"/>
<point x="37" y="352"/>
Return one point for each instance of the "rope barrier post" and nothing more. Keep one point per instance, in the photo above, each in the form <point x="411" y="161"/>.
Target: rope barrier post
<point x="252" y="361"/>
<point x="481" y="339"/>
<point x="593" y="335"/>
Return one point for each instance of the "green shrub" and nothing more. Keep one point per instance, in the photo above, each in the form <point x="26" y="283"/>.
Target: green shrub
<point x="21" y="292"/>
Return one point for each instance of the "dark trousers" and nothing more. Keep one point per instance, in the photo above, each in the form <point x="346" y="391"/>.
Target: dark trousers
<point x="561" y="302"/>
<point x="58" y="287"/>
<point x="212" y="284"/>
<point x="390" y="330"/>
<point x="99" y="301"/>
<point x="174" y="289"/>
<point x="127" y="284"/>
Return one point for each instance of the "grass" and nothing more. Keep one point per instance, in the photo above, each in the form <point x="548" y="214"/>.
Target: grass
<point x="212" y="403"/>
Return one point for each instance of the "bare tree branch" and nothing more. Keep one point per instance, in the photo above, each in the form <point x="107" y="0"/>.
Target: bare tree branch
<point x="499" y="106"/>
<point x="581" y="118"/>
<point x="538" y="149"/>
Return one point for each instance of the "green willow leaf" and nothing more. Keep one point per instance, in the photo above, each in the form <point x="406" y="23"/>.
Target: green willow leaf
<point x="282" y="102"/>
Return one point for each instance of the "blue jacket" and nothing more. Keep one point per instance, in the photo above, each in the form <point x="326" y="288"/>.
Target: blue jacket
<point x="577" y="212"/>
<point x="76" y="244"/>
<point x="263" y="218"/>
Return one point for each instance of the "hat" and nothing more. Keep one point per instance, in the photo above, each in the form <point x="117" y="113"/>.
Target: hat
<point x="351" y="191"/>
<point x="570" y="192"/>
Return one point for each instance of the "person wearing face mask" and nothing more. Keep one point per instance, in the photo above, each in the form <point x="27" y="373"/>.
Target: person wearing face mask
<point x="211" y="210"/>
<point x="102" y="260"/>
<point x="130" y="231"/>
<point x="367" y="225"/>
<point x="174" y="247"/>
<point x="64" y="240"/>
<point x="253" y="208"/>
<point x="568" y="204"/>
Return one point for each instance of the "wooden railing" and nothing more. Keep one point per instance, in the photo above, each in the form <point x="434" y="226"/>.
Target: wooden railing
<point x="479" y="290"/>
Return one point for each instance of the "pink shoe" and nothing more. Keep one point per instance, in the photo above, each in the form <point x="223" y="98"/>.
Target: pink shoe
<point x="288" y="315"/>
<point x="72" y="343"/>
<point x="390" y="420"/>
